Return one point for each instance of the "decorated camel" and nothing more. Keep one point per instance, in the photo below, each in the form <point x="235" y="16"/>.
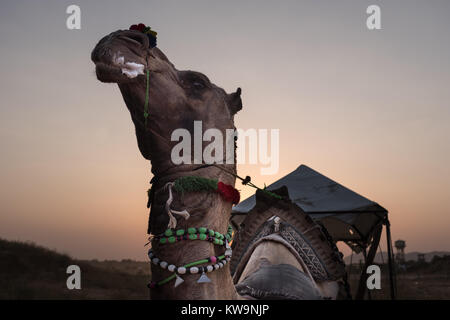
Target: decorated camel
<point x="279" y="252"/>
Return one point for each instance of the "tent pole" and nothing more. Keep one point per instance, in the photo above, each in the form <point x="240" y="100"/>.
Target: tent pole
<point x="368" y="261"/>
<point x="391" y="267"/>
<point x="351" y="264"/>
<point x="369" y="296"/>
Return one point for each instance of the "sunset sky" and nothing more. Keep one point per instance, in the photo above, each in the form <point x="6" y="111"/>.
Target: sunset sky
<point x="369" y="109"/>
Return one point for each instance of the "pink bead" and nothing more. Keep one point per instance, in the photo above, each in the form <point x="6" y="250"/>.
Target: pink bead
<point x="213" y="259"/>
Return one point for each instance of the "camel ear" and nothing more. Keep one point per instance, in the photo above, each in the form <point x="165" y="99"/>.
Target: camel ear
<point x="234" y="101"/>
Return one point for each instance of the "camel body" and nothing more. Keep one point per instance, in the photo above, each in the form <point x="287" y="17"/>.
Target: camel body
<point x="177" y="99"/>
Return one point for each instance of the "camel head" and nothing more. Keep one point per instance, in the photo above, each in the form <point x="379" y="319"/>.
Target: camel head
<point x="176" y="98"/>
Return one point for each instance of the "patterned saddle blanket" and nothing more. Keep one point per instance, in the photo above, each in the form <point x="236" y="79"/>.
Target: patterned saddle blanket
<point x="284" y="222"/>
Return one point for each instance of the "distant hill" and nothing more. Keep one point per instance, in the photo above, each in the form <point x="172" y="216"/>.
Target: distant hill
<point x="410" y="256"/>
<point x="28" y="271"/>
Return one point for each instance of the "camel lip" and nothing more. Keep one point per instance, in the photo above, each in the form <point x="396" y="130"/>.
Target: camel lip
<point x="108" y="72"/>
<point x="107" y="66"/>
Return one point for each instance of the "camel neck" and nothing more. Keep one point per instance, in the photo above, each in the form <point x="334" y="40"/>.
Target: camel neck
<point x="211" y="212"/>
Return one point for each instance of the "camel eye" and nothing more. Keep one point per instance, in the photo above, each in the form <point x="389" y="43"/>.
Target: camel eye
<point x="194" y="82"/>
<point x="198" y="85"/>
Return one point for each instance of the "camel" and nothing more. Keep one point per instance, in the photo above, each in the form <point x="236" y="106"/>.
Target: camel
<point x="160" y="99"/>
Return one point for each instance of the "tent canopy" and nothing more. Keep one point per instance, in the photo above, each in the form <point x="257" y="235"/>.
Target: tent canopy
<point x="346" y="215"/>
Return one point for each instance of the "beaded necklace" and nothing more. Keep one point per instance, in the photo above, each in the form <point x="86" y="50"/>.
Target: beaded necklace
<point x="205" y="234"/>
<point x="217" y="262"/>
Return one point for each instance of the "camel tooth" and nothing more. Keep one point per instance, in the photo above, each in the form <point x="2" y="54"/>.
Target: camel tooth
<point x="119" y="60"/>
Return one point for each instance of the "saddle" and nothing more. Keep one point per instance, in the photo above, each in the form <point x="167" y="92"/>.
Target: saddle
<point x="276" y="282"/>
<point x="279" y="252"/>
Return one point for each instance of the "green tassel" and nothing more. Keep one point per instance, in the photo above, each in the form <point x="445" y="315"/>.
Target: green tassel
<point x="193" y="184"/>
<point x="276" y="196"/>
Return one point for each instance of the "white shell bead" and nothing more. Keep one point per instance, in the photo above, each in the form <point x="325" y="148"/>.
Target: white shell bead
<point x="155" y="260"/>
<point x="216" y="266"/>
<point x="163" y="264"/>
<point x="171" y="268"/>
<point x="220" y="265"/>
<point x="209" y="268"/>
<point x="193" y="270"/>
<point x="181" y="270"/>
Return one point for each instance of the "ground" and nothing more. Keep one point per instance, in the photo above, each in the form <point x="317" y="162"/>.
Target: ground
<point x="420" y="281"/>
<point x="28" y="271"/>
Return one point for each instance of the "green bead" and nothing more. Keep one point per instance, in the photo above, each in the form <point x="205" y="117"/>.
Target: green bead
<point x="192" y="230"/>
<point x="202" y="236"/>
<point x="172" y="239"/>
<point x="202" y="230"/>
<point x="216" y="241"/>
<point x="180" y="232"/>
<point x="217" y="235"/>
<point x="168" y="232"/>
<point x="211" y="233"/>
<point x="192" y="236"/>
<point x="163" y="240"/>
<point x="221" y="242"/>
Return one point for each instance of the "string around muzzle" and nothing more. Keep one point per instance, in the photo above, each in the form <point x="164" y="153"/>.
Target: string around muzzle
<point x="151" y="35"/>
